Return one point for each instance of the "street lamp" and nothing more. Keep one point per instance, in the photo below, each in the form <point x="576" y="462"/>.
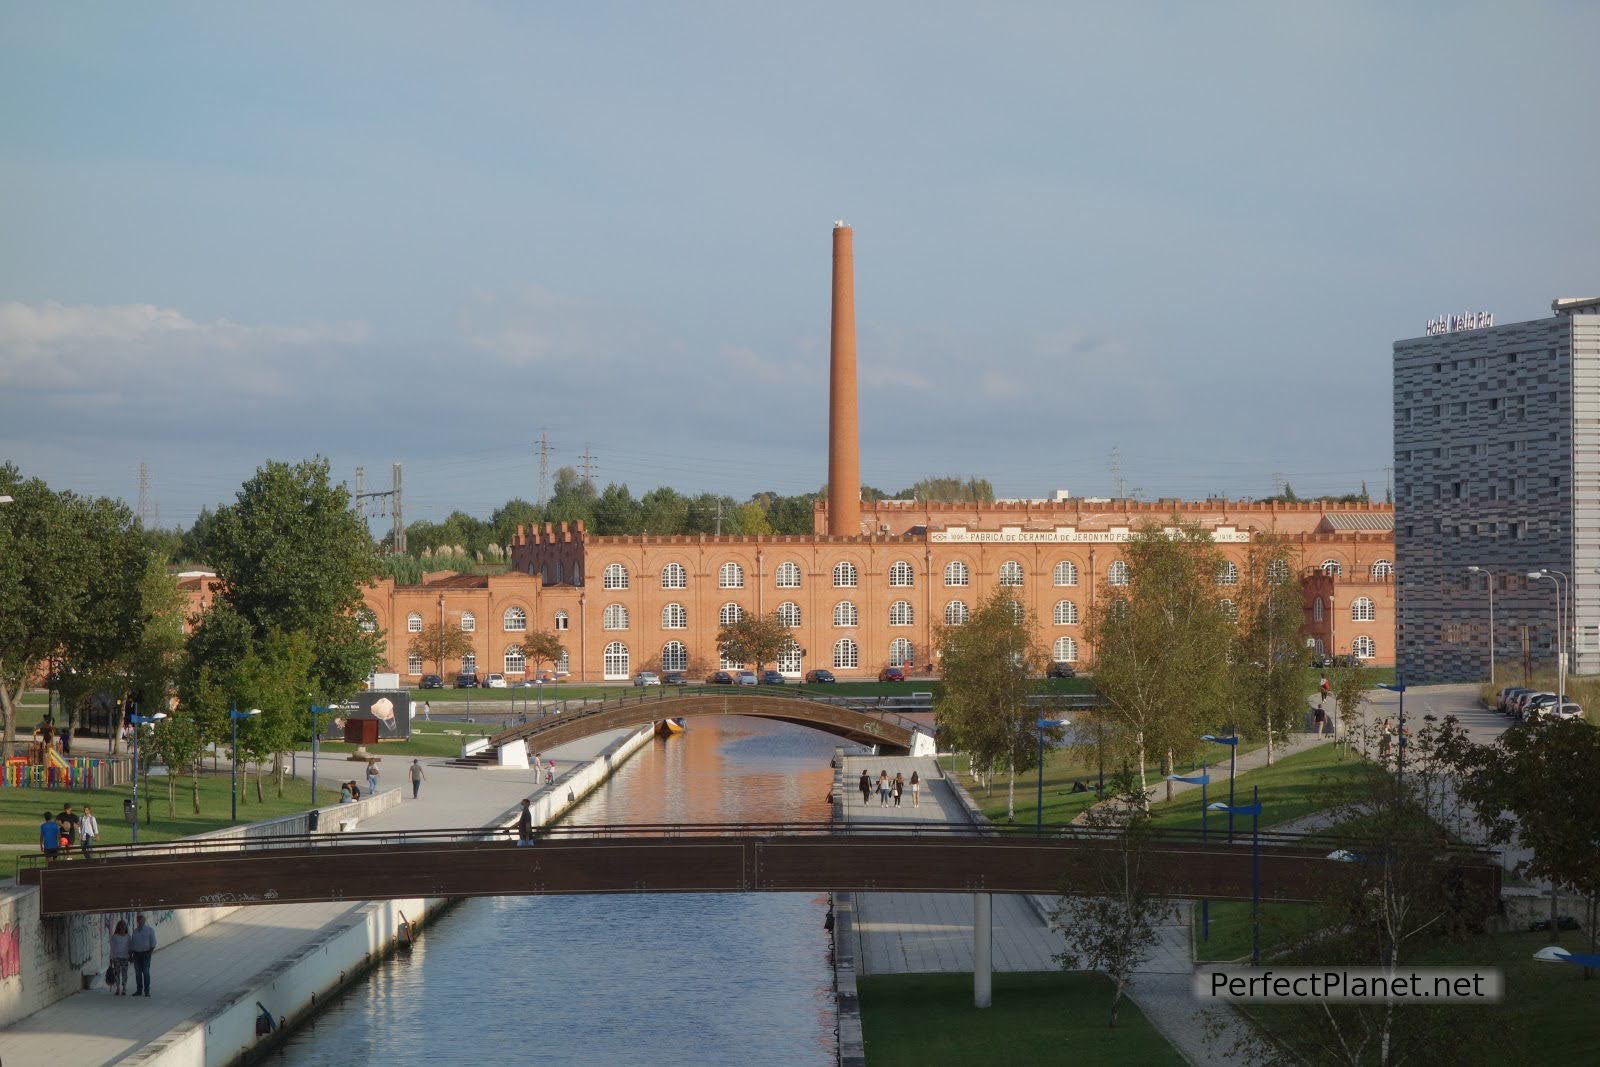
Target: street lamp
<point x="316" y="735"/>
<point x="1232" y="741"/>
<point x="1042" y="725"/>
<point x="138" y="721"/>
<point x="233" y="783"/>
<point x="1489" y="576"/>
<point x="1253" y="809"/>
<point x="1400" y="734"/>
<point x="1202" y="780"/>
<point x="1561" y="636"/>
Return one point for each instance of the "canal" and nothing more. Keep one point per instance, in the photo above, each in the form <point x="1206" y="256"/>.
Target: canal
<point x="704" y="978"/>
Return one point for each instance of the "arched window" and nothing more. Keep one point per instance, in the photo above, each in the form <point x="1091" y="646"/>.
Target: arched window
<point x="616" y="661"/>
<point x="901" y="652"/>
<point x="956" y="574"/>
<point x="1066" y="573"/>
<point x="515" y="621"/>
<point x="731" y="576"/>
<point x="615" y="577"/>
<point x="1229" y="609"/>
<point x="1011" y="573"/>
<point x="788" y="575"/>
<point x="901" y="613"/>
<point x="1117" y="573"/>
<point x="562" y="621"/>
<point x="367" y="621"/>
<point x="1333" y="567"/>
<point x="673" y="617"/>
<point x="1066" y="650"/>
<point x="730" y="614"/>
<point x="1362" y="610"/>
<point x="1383" y="569"/>
<point x="845" y="654"/>
<point x="955" y="613"/>
<point x="1278" y="571"/>
<point x="413" y="623"/>
<point x="516" y="662"/>
<point x="615" y="618"/>
<point x="469" y="663"/>
<point x="469" y="622"/>
<point x="844" y="575"/>
<point x="789" y="614"/>
<point x="901" y="576"/>
<point x="674" y="656"/>
<point x="727" y="664"/>
<point x="1066" y="613"/>
<point x="845" y="614"/>
<point x="1316" y="609"/>
<point x="789" y="659"/>
<point x="1019" y="614"/>
<point x="1364" y="647"/>
<point x="673" y="576"/>
<point x="413" y="664"/>
<point x="1227" y="573"/>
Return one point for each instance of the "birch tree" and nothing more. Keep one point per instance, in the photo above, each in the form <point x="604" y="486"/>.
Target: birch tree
<point x="1270" y="680"/>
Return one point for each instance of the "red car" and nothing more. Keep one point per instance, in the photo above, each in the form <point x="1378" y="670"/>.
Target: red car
<point x="892" y="674"/>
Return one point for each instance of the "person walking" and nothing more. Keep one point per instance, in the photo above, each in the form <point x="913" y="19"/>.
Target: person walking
<point x="89" y="827"/>
<point x="899" y="787"/>
<point x="1320" y="717"/>
<point x="372" y="777"/>
<point x="883" y="789"/>
<point x="117" y="975"/>
<point x="427" y="712"/>
<point x="865" y="785"/>
<point x="141" y="945"/>
<point x="525" y="824"/>
<point x="916" y="788"/>
<point x="417" y="778"/>
<point x="50" y="838"/>
<point x="549" y="772"/>
<point x="69" y="826"/>
<point x="538" y="762"/>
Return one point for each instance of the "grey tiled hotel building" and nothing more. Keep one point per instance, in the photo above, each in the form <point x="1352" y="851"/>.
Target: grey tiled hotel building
<point x="1497" y="465"/>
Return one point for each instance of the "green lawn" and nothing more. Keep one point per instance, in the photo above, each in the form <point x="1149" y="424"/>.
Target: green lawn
<point x="1293" y="787"/>
<point x="427" y="739"/>
<point x="1281" y="924"/>
<point x="1036" y="1017"/>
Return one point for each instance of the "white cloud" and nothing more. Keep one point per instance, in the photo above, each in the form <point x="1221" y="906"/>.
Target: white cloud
<point x="533" y="325"/>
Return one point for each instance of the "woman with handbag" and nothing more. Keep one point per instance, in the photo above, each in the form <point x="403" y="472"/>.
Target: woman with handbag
<point x="117" y="973"/>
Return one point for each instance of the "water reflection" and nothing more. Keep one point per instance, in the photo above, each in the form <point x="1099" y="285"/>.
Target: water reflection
<point x="694" y="978"/>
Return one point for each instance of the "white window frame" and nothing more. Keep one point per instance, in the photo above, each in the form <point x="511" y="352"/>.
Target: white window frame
<point x="1277" y="570"/>
<point x="615" y="577"/>
<point x="1119" y="573"/>
<point x="845" y="575"/>
<point x="414" y="623"/>
<point x="901" y="613"/>
<point x="1362" y="609"/>
<point x="614" y="662"/>
<point x="1228" y="608"/>
<point x="846" y="614"/>
<point x="902" y="653"/>
<point x="788" y="575"/>
<point x="957" y="575"/>
<point x="956" y="613"/>
<point x="615" y="617"/>
<point x="1228" y="573"/>
<point x="729" y="614"/>
<point x="1332" y="567"/>
<point x="790" y="660"/>
<point x="1364" y="647"/>
<point x="516" y="662"/>
<point x="1382" y="569"/>
<point x="1065" y="613"/>
<point x="846" y="655"/>
<point x="790" y="615"/>
<point x="674" y="617"/>
<point x="901" y="575"/>
<point x="514" y="621"/>
<point x="1012" y="575"/>
<point x="563" y="621"/>
<point x="366" y="620"/>
<point x="413" y="663"/>
<point x="674" y="656"/>
<point x="1065" y="649"/>
<point x="469" y="622"/>
<point x="1065" y="574"/>
<point x="730" y="576"/>
<point x="469" y="663"/>
<point x="674" y="576"/>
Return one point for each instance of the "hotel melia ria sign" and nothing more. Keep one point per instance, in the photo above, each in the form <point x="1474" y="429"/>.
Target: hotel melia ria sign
<point x="1064" y="535"/>
<point x="1472" y="320"/>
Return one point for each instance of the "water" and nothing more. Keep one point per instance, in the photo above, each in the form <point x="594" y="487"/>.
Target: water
<point x="666" y="979"/>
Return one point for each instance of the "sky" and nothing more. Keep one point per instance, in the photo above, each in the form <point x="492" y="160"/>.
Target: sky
<point x="1179" y="237"/>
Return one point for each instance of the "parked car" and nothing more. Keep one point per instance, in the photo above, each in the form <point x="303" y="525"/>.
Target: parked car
<point x="1502" y="703"/>
<point x="1060" y="670"/>
<point x="431" y="681"/>
<point x="1568" y="710"/>
<point x="772" y="678"/>
<point x="892" y="674"/>
<point x="746" y="678"/>
<point x="466" y="681"/>
<point x="647" y="678"/>
<point x="820" y="677"/>
<point x="720" y="678"/>
<point x="674" y="678"/>
<point x="1535" y="706"/>
<point x="495" y="681"/>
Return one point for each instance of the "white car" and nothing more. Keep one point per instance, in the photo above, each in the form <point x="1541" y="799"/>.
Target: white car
<point x="495" y="681"/>
<point x="647" y="678"/>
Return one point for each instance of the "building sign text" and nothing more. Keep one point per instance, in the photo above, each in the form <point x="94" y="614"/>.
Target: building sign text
<point x="1064" y="535"/>
<point x="1471" y="320"/>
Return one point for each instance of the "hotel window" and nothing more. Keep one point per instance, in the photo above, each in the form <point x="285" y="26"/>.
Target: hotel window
<point x="789" y="614"/>
<point x="516" y="662"/>
<point x="901" y="614"/>
<point x="955" y="613"/>
<point x="413" y="623"/>
<point x="1066" y="613"/>
<point x="516" y="620"/>
<point x="789" y="659"/>
<point x="900" y="575"/>
<point x="673" y="576"/>
<point x="367" y="621"/>
<point x="845" y="614"/>
<point x="844" y="576"/>
<point x="1228" y="573"/>
<point x="616" y="661"/>
<point x="1316" y="610"/>
<point x="1362" y="610"/>
<point x="1019" y="614"/>
<point x="956" y="574"/>
<point x="1278" y="571"/>
<point x="469" y="663"/>
<point x="562" y="622"/>
<point x="1011" y="573"/>
<point x="731" y="576"/>
<point x="1117" y="573"/>
<point x="730" y="614"/>
<point x="615" y="618"/>
<point x="1229" y="609"/>
<point x="724" y="663"/>
<point x="469" y="622"/>
<point x="674" y="617"/>
<point x="1383" y="569"/>
<point x="1066" y="650"/>
<point x="1066" y="573"/>
<point x="1364" y="647"/>
<point x="413" y="664"/>
<point x="1332" y="567"/>
<point x="788" y="575"/>
<point x="615" y="577"/>
<point x="564" y="664"/>
<point x="901" y="652"/>
<point x="674" y="656"/>
<point x="845" y="654"/>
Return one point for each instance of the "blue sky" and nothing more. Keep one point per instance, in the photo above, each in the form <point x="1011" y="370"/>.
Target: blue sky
<point x="423" y="233"/>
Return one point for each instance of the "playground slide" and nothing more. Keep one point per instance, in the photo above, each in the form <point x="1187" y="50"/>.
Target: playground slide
<point x="53" y="760"/>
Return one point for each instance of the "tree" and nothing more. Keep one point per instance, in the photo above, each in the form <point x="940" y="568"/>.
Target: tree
<point x="276" y="679"/>
<point x="663" y="512"/>
<point x="541" y="646"/>
<point x="949" y="489"/>
<point x="505" y="520"/>
<point x="1161" y="644"/>
<point x="753" y="639"/>
<point x="1349" y="686"/>
<point x="436" y="642"/>
<point x="751" y="518"/>
<point x="155" y="660"/>
<point x="616" y="512"/>
<point x="1269" y="672"/>
<point x="982" y="708"/>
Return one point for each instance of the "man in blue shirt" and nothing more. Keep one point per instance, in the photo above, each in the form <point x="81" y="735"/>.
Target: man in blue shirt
<point x="50" y="837"/>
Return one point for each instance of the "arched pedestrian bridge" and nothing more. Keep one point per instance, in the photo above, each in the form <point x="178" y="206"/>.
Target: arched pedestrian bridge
<point x="862" y="721"/>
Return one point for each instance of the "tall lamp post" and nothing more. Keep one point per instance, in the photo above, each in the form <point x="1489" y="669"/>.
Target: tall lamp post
<point x="1400" y="734"/>
<point x="316" y="735"/>
<point x="1489" y="577"/>
<point x="234" y="716"/>
<point x="138" y="721"/>
<point x="1042" y="725"/>
<point x="1232" y="741"/>
<point x="1202" y="780"/>
<point x="1252" y="809"/>
<point x="1561" y="634"/>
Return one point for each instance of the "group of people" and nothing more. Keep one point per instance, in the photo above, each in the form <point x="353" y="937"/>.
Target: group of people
<point x="61" y="830"/>
<point x="45" y="735"/>
<point x="548" y="768"/>
<point x="349" y="792"/>
<point x="890" y="788"/>
<point x="135" y="948"/>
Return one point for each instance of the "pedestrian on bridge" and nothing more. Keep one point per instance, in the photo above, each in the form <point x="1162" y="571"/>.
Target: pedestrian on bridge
<point x="89" y="827"/>
<point x="865" y="786"/>
<point x="372" y="777"/>
<point x="50" y="838"/>
<point x="883" y="789"/>
<point x="416" y="778"/>
<point x="117" y="973"/>
<point x="525" y="824"/>
<point x="899" y="787"/>
<point x="549" y="772"/>
<point x="142" y="944"/>
<point x="916" y="788"/>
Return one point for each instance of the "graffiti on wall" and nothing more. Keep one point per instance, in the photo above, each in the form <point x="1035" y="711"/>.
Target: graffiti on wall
<point x="10" y="951"/>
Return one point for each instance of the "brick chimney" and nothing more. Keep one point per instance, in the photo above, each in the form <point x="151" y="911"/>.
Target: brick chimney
<point x="844" y="441"/>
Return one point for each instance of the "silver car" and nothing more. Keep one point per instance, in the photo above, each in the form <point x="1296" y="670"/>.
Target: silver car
<point x="746" y="678"/>
<point x="647" y="678"/>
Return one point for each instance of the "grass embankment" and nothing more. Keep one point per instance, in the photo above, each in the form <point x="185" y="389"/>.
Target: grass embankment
<point x="21" y="809"/>
<point x="1036" y="1017"/>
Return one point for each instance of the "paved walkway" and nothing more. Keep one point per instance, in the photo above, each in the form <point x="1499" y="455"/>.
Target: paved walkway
<point x="204" y="969"/>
